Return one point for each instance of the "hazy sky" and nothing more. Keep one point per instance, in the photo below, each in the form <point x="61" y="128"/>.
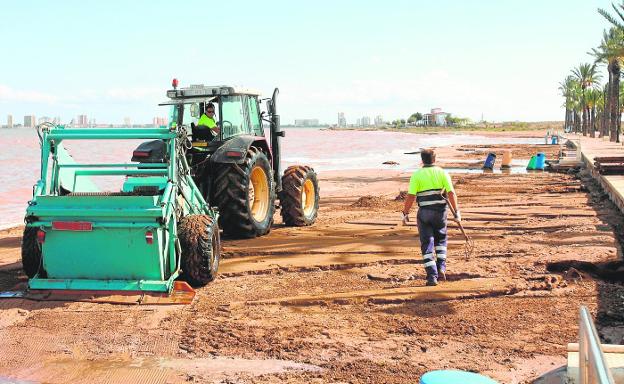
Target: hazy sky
<point x="112" y="59"/>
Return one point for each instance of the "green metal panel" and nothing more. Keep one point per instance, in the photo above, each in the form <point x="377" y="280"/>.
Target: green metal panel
<point x="110" y="133"/>
<point x="104" y="285"/>
<point x="115" y="254"/>
<point x="104" y="254"/>
<point x="97" y="207"/>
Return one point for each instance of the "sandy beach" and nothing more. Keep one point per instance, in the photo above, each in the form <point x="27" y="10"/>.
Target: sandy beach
<point x="345" y="299"/>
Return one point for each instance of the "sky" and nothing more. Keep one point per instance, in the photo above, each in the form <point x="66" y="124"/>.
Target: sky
<point x="497" y="59"/>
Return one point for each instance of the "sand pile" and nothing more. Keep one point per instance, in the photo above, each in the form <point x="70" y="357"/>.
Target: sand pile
<point x="369" y="202"/>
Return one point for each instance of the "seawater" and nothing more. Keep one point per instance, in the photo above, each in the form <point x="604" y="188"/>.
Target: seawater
<point x="322" y="149"/>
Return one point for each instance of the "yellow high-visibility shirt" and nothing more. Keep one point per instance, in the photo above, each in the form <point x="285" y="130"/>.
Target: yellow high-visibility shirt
<point x="428" y="178"/>
<point x="206" y="121"/>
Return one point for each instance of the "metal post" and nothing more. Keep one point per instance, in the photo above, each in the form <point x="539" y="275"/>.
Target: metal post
<point x="592" y="365"/>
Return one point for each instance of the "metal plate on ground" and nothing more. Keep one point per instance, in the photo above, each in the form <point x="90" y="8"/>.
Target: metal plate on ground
<point x="182" y="294"/>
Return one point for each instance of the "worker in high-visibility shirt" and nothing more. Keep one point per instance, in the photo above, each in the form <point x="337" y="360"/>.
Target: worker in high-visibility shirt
<point x="427" y="186"/>
<point x="207" y="121"/>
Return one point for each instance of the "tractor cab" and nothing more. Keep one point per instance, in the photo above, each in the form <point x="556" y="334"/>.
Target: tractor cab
<point x="234" y="164"/>
<point x="237" y="112"/>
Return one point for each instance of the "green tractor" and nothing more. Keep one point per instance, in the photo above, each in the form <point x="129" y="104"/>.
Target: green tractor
<point x="163" y="222"/>
<point x="235" y="168"/>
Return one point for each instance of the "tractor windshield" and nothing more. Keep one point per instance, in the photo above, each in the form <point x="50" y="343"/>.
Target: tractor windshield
<point x="236" y="114"/>
<point x="241" y="116"/>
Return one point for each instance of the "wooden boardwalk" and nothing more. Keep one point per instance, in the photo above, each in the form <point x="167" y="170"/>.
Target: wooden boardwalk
<point x="594" y="147"/>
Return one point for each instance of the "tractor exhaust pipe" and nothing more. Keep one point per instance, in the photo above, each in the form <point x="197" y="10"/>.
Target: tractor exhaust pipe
<point x="276" y="133"/>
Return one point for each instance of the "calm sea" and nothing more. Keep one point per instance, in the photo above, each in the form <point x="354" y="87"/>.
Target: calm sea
<point x="322" y="149"/>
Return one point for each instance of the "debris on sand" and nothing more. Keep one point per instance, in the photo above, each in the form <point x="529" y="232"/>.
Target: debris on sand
<point x="573" y="274"/>
<point x="369" y="201"/>
<point x="401" y="196"/>
<point x="390" y="162"/>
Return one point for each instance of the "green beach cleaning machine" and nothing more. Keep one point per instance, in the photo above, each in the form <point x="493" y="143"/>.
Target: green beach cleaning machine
<point x="158" y="236"/>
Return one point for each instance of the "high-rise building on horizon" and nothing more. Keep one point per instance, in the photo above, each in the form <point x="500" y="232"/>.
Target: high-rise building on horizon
<point x="30" y="121"/>
<point x="342" y="122"/>
<point x="365" y="121"/>
<point x="9" y="121"/>
<point x="127" y="122"/>
<point x="159" y="121"/>
<point x="378" y="120"/>
<point x="82" y="121"/>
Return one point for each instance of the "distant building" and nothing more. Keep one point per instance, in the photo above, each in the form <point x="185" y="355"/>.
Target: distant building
<point x="159" y="121"/>
<point x="127" y="122"/>
<point x="342" y="122"/>
<point x="57" y="120"/>
<point x="378" y="120"/>
<point x="365" y="121"/>
<point x="30" y="121"/>
<point x="10" y="121"/>
<point x="82" y="121"/>
<point x="306" y="122"/>
<point x="436" y="117"/>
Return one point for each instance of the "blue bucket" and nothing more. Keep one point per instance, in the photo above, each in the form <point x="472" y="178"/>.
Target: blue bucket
<point x="540" y="161"/>
<point x="554" y="139"/>
<point x="455" y="377"/>
<point x="489" y="161"/>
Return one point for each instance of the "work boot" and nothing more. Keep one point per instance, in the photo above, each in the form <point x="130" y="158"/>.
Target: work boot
<point x="432" y="281"/>
<point x="441" y="264"/>
<point x="442" y="275"/>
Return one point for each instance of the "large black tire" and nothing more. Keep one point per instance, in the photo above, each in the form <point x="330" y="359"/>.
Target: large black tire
<point x="299" y="198"/>
<point x="201" y="249"/>
<point x="245" y="195"/>
<point x="31" y="253"/>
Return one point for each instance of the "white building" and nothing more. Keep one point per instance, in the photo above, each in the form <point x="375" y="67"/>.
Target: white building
<point x="159" y="121"/>
<point x="30" y="121"/>
<point x="436" y="117"/>
<point x="10" y="121"/>
<point x="342" y="122"/>
<point x="82" y="121"/>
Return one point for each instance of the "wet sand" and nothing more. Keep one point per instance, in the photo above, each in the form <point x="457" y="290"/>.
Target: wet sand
<point x="345" y="301"/>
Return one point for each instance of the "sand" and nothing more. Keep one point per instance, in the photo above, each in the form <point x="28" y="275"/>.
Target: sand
<point x="345" y="299"/>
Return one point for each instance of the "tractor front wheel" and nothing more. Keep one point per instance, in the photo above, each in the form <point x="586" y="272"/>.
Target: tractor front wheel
<point x="299" y="197"/>
<point x="245" y="195"/>
<point x="201" y="249"/>
<point x="31" y="253"/>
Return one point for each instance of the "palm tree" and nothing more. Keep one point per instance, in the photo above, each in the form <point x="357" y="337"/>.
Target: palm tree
<point x="568" y="88"/>
<point x="603" y="105"/>
<point x="587" y="76"/>
<point x="611" y="52"/>
<point x="593" y="96"/>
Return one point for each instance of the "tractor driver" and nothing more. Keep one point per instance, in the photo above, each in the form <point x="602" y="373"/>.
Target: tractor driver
<point x="207" y="121"/>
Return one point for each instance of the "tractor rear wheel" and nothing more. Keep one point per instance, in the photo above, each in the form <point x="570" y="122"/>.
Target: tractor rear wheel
<point x="31" y="253"/>
<point x="299" y="197"/>
<point x="245" y="195"/>
<point x="201" y="249"/>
